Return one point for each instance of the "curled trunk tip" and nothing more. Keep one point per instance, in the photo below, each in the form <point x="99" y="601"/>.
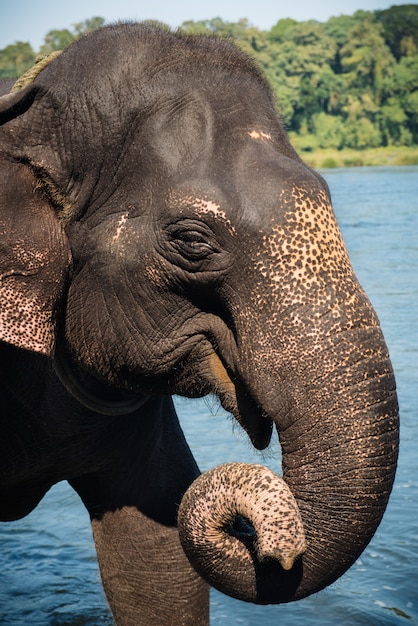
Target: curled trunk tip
<point x="239" y="525"/>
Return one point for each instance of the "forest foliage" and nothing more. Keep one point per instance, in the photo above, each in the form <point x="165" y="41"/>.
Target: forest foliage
<point x="350" y="82"/>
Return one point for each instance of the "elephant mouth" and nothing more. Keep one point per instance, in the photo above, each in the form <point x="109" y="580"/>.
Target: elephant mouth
<point x="91" y="393"/>
<point x="236" y="399"/>
<point x="252" y="418"/>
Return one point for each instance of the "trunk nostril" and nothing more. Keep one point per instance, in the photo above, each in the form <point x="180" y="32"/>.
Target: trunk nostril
<point x="242" y="529"/>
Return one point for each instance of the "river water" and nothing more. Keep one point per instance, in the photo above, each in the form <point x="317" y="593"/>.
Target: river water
<point x="48" y="571"/>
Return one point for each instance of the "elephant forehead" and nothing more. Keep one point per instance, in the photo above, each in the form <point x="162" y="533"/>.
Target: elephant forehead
<point x="204" y="206"/>
<point x="120" y="227"/>
<point x="305" y="250"/>
<point x="259" y="135"/>
<point x="201" y="206"/>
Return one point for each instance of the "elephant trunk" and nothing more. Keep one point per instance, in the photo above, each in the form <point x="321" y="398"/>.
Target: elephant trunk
<point x="339" y="458"/>
<point x="239" y="505"/>
<point x="339" y="437"/>
<point x="308" y="355"/>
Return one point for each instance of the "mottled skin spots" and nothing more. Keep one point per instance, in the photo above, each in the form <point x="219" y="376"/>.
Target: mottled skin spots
<point x="206" y="206"/>
<point x="119" y="227"/>
<point x="210" y="509"/>
<point x="259" y="135"/>
<point x="305" y="262"/>
<point x="31" y="321"/>
<point x="303" y="251"/>
<point x="34" y="256"/>
<point x="202" y="207"/>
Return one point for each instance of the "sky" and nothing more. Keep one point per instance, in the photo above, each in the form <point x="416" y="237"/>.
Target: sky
<point x="29" y="20"/>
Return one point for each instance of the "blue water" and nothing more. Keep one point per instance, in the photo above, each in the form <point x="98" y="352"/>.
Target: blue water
<point x="48" y="572"/>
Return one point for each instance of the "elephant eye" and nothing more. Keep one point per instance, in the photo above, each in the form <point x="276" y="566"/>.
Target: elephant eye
<point x="193" y="243"/>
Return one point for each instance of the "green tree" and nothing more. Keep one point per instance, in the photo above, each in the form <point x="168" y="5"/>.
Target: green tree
<point x="328" y="130"/>
<point x="393" y="118"/>
<point x="191" y="27"/>
<point x="236" y="30"/>
<point x="411" y="109"/>
<point x="365" y="58"/>
<point x="399" y="112"/>
<point x="248" y="37"/>
<point x="349" y="82"/>
<point x="279" y="30"/>
<point x="400" y="28"/>
<point x="15" y="59"/>
<point x="361" y="133"/>
<point x="60" y="39"/>
<point x="93" y="23"/>
<point x="338" y="28"/>
<point x="300" y="71"/>
<point x="404" y="78"/>
<point x="56" y="40"/>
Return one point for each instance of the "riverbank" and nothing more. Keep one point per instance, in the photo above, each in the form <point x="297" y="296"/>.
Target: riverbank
<point x="326" y="159"/>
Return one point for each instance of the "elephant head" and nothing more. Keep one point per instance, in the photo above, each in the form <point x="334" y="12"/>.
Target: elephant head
<point x="160" y="235"/>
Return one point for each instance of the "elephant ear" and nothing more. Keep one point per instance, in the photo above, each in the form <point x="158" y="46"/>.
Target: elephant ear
<point x="34" y="250"/>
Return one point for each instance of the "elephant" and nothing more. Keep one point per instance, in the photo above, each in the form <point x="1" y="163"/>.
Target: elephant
<point x="160" y="236"/>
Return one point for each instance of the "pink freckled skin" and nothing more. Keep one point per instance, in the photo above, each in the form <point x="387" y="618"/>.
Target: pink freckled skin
<point x="213" y="503"/>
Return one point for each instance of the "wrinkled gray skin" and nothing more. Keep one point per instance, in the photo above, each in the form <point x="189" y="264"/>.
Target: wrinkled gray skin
<point x="159" y="235"/>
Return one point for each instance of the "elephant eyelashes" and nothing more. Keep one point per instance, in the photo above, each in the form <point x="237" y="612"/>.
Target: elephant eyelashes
<point x="193" y="243"/>
<point x="46" y="187"/>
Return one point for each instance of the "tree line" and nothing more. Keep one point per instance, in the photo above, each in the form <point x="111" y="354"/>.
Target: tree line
<point x="349" y="82"/>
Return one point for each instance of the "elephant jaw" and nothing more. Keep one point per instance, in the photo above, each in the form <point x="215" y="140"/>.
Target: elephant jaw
<point x="239" y="524"/>
<point x="235" y="399"/>
<point x="94" y="395"/>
